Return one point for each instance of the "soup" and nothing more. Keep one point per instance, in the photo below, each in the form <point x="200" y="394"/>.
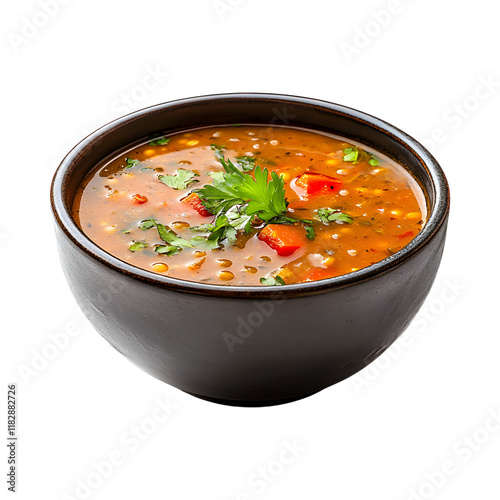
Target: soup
<point x="250" y="206"/>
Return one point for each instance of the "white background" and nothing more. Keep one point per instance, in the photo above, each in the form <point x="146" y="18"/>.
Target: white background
<point x="427" y="405"/>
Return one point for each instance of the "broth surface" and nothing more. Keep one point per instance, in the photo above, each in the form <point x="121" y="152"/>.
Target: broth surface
<point x="382" y="206"/>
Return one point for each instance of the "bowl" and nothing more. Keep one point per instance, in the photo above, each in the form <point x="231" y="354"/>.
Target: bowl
<point x="250" y="346"/>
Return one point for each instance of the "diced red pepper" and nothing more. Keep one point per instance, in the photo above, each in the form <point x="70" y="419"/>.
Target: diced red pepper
<point x="194" y="201"/>
<point x="313" y="183"/>
<point x="319" y="273"/>
<point x="139" y="199"/>
<point x="405" y="235"/>
<point x="283" y="238"/>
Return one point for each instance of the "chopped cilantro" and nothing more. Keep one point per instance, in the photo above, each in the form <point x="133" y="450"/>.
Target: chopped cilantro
<point x="137" y="245"/>
<point x="355" y="154"/>
<point x="182" y="180"/>
<point x="310" y="234"/>
<point x="246" y="163"/>
<point x="217" y="176"/>
<point x="219" y="150"/>
<point x="167" y="250"/>
<point x="168" y="236"/>
<point x="273" y="281"/>
<point x="327" y="215"/>
<point x="159" y="141"/>
<point x="129" y="162"/>
<point x="351" y="154"/>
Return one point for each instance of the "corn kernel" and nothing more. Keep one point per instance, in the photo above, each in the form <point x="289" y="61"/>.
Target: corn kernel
<point x="413" y="215"/>
<point x="226" y="275"/>
<point x="329" y="261"/>
<point x="196" y="264"/>
<point x="179" y="224"/>
<point x="160" y="267"/>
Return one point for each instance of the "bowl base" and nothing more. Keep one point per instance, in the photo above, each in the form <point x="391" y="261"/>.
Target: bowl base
<point x="252" y="403"/>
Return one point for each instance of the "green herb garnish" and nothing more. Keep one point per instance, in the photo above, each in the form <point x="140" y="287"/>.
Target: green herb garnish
<point x="273" y="281"/>
<point x="219" y="150"/>
<point x="137" y="245"/>
<point x="246" y="163"/>
<point x="351" y="154"/>
<point x="159" y="141"/>
<point x="327" y="215"/>
<point x="174" y="243"/>
<point x="310" y="234"/>
<point x="182" y="180"/>
<point x="129" y="162"/>
<point x="355" y="154"/>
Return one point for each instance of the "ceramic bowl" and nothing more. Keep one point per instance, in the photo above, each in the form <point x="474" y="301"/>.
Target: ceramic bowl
<point x="250" y="346"/>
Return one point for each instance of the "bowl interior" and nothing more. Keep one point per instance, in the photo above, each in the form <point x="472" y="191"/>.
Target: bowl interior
<point x="255" y="109"/>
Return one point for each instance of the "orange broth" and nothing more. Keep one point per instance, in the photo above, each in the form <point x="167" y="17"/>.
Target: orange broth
<point x="382" y="205"/>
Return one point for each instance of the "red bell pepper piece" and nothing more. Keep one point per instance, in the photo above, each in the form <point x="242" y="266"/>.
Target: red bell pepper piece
<point x="193" y="200"/>
<point x="313" y="183"/>
<point x="283" y="238"/>
<point x="405" y="235"/>
<point x="139" y="199"/>
<point x="319" y="274"/>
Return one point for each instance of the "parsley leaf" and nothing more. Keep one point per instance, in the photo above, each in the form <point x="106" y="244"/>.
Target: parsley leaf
<point x="217" y="176"/>
<point x="159" y="141"/>
<point x="355" y="154"/>
<point x="327" y="215"/>
<point x="273" y="281"/>
<point x="129" y="162"/>
<point x="167" y="250"/>
<point x="219" y="150"/>
<point x="236" y="198"/>
<point x="246" y="163"/>
<point x="351" y="154"/>
<point x="182" y="180"/>
<point x="310" y="234"/>
<point x="174" y="243"/>
<point x="137" y="245"/>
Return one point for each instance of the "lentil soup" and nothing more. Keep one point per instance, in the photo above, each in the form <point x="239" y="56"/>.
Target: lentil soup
<point x="250" y="205"/>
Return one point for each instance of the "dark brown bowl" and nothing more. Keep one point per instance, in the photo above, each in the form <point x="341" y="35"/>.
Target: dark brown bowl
<point x="250" y="346"/>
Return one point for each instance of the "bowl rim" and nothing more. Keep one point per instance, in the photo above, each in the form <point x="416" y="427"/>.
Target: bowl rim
<point x="436" y="218"/>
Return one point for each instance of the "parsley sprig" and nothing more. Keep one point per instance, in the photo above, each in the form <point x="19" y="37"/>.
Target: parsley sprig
<point x="327" y="215"/>
<point x="174" y="244"/>
<point x="355" y="154"/>
<point x="182" y="180"/>
<point x="257" y="196"/>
